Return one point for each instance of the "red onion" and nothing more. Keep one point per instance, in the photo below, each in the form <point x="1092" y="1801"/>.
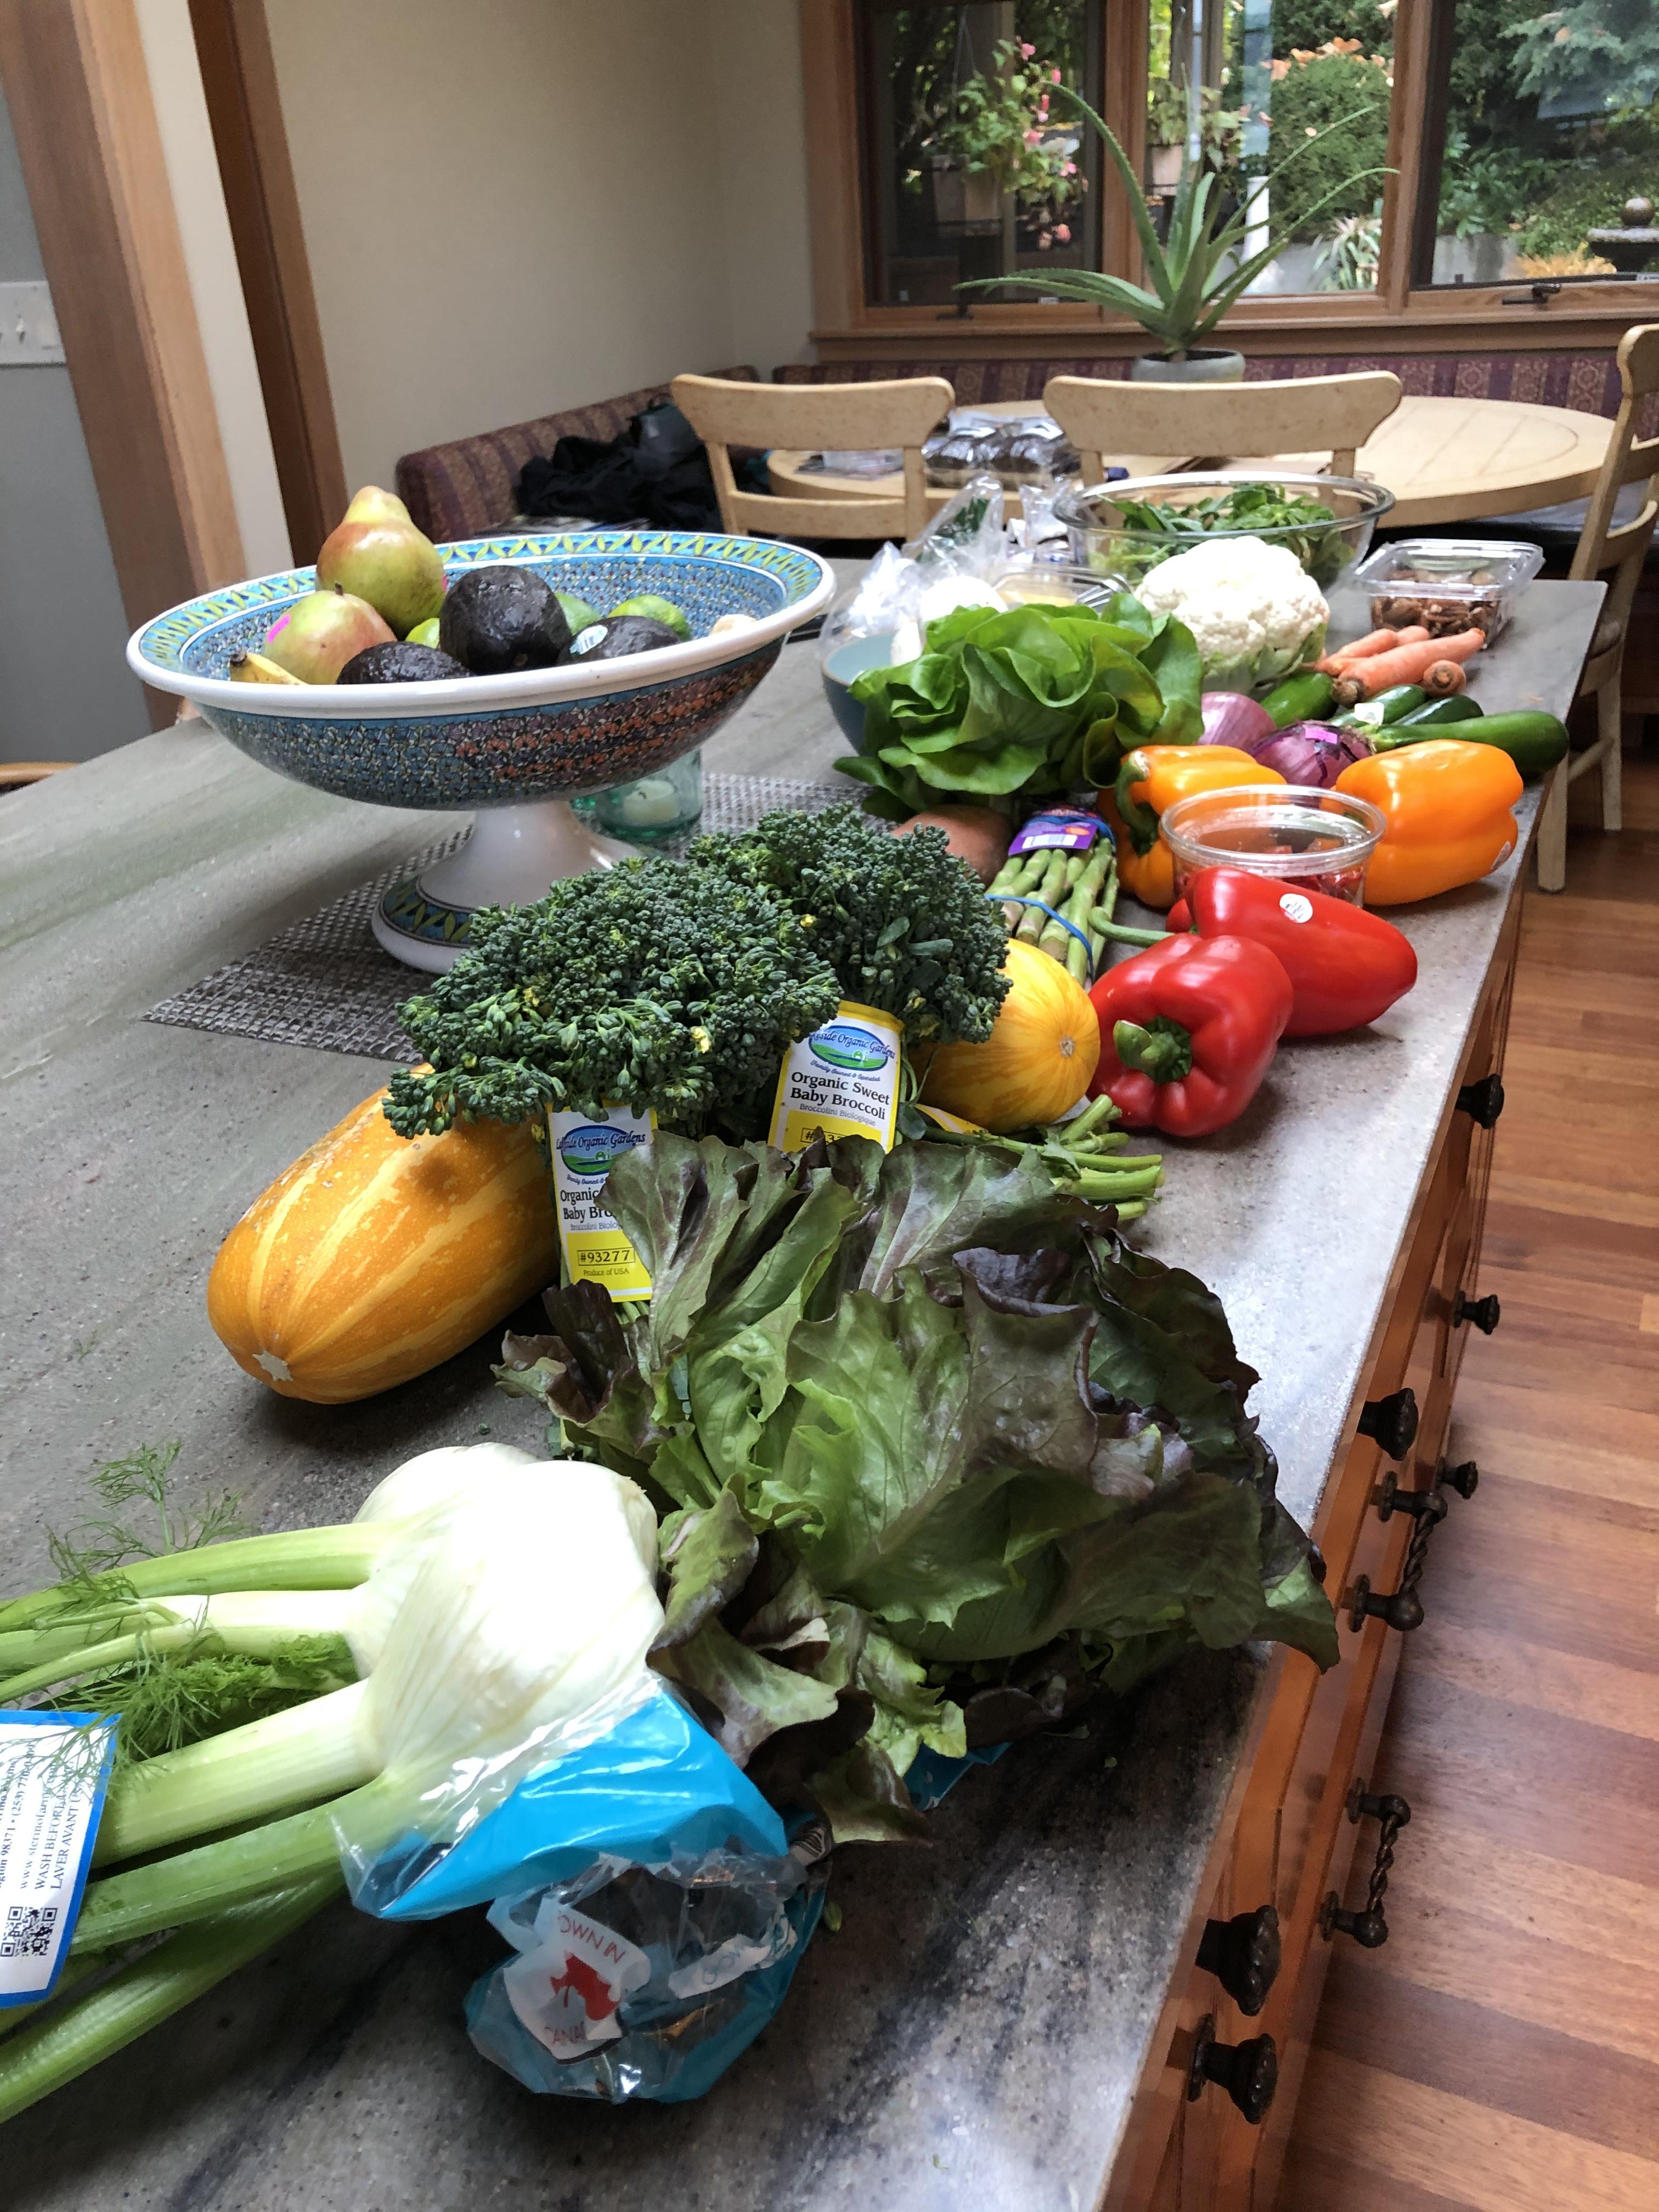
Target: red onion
<point x="1233" y="718"/>
<point x="1311" y="753"/>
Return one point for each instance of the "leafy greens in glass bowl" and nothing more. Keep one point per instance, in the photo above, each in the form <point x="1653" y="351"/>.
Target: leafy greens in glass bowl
<point x="1125" y="529"/>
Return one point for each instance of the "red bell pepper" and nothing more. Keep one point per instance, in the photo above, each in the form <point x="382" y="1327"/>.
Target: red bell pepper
<point x="1188" y="1030"/>
<point x="1346" y="966"/>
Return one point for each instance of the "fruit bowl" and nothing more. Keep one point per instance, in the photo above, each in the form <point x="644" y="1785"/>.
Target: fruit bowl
<point x="517" y="747"/>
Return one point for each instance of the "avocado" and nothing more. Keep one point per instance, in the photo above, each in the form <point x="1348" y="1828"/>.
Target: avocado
<point x="399" y="663"/>
<point x="619" y="634"/>
<point x="581" y="614"/>
<point x="659" y="610"/>
<point x="497" y="620"/>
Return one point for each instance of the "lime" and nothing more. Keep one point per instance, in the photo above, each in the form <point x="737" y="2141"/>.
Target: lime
<point x="659" y="610"/>
<point x="579" y="613"/>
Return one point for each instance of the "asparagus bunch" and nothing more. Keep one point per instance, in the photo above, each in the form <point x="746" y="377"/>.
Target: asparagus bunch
<point x="1049" y="889"/>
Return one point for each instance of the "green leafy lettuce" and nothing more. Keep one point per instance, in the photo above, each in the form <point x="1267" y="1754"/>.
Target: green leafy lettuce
<point x="1024" y="702"/>
<point x="916" y="1417"/>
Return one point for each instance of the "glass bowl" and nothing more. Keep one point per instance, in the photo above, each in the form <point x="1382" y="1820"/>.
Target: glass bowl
<point x="1103" y="539"/>
<point x="1307" y="839"/>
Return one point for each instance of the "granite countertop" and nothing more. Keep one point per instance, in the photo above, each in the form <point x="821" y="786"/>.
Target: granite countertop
<point x="975" y="2032"/>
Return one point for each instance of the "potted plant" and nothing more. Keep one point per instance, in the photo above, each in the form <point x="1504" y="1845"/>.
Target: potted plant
<point x="995" y="137"/>
<point x="1196" y="274"/>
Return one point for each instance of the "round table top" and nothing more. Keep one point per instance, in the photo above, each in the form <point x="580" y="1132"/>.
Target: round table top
<point x="1445" y="461"/>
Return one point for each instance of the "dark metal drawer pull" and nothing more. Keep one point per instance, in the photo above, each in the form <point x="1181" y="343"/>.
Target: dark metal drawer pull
<point x="1429" y="1504"/>
<point x="1391" y="1421"/>
<point x="1464" y="1478"/>
<point x="1368" y="1926"/>
<point x="1482" y="1101"/>
<point x="1401" y="1608"/>
<point x="1481" y="1313"/>
<point x="1247" y="2071"/>
<point x="1243" y="1953"/>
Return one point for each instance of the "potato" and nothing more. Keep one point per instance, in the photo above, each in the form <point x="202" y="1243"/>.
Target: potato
<point x="977" y="835"/>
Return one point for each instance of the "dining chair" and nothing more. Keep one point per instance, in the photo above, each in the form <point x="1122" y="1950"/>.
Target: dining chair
<point x="14" y="775"/>
<point x="828" y="417"/>
<point x="1302" y="414"/>
<point x="1605" y="543"/>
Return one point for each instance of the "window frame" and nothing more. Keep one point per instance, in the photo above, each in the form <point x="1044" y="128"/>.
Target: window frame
<point x="1397" y="316"/>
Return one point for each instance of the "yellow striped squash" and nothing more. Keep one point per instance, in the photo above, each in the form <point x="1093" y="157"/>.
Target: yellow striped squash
<point x="375" y="1257"/>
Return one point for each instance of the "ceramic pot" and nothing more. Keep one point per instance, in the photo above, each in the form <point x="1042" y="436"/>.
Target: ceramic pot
<point x="1203" y="365"/>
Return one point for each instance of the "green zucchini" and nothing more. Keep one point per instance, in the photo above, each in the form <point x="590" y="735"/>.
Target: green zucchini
<point x="1303" y="697"/>
<point x="1534" y="741"/>
<point x="1436" y="713"/>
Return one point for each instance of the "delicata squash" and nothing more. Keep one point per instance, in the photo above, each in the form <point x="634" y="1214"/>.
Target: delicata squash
<point x="375" y="1257"/>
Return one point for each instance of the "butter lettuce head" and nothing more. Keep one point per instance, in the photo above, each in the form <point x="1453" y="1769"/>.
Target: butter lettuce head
<point x="1030" y="700"/>
<point x="911" y="1415"/>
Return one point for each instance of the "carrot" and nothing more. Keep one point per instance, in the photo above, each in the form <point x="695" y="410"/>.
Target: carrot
<point x="1408" y="664"/>
<point x="1442" y="679"/>
<point x="1414" y="635"/>
<point x="1380" y="641"/>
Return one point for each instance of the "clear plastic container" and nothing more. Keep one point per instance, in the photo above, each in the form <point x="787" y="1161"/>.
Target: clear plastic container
<point x="1447" y="584"/>
<point x="1307" y="839"/>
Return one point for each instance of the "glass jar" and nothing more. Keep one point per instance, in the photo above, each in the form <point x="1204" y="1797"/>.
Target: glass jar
<point x="663" y="805"/>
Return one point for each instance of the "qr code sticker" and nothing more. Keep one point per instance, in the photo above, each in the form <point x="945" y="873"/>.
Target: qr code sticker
<point x="28" y="1931"/>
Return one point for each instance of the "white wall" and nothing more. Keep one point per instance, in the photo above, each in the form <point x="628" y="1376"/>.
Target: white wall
<point x="192" y="166"/>
<point x="515" y="206"/>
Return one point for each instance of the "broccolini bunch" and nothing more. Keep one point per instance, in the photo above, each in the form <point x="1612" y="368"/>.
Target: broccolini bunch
<point x="654" y="984"/>
<point x="904" y="925"/>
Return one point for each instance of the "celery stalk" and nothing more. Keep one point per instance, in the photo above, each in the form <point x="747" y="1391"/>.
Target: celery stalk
<point x="80" y="1968"/>
<point x="70" y="2038"/>
<point x="191" y="1886"/>
<point x="313" y="1751"/>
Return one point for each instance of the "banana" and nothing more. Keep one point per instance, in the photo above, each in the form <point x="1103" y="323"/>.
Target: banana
<point x="255" y="668"/>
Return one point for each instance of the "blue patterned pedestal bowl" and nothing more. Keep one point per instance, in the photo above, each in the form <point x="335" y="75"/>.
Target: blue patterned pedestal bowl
<point x="517" y="748"/>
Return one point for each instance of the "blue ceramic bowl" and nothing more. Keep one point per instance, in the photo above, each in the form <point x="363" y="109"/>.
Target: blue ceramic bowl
<point x="503" y="740"/>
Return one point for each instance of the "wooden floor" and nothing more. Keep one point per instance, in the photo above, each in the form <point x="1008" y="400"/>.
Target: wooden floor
<point x="1501" y="2054"/>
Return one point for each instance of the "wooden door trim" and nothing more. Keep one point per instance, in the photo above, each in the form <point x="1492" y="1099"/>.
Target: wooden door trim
<point x="238" y="77"/>
<point x="78" y="89"/>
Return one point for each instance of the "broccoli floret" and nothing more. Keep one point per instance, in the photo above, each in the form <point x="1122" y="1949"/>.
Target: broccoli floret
<point x="905" y="926"/>
<point x="655" y="984"/>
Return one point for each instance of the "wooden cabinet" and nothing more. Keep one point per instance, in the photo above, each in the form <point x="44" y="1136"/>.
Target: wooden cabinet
<point x="1294" y="1844"/>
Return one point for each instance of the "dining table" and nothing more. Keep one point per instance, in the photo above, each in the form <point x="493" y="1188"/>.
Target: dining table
<point x="1456" y="460"/>
<point x="982" y="2027"/>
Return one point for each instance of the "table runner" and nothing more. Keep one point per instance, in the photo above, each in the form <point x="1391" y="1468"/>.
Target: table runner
<point x="325" y="983"/>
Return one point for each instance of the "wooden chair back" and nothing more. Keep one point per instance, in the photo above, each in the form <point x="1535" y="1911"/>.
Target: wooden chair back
<point x="1306" y="414"/>
<point x="1604" y="544"/>
<point x="832" y="417"/>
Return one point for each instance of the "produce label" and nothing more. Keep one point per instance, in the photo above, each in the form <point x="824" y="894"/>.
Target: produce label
<point x="584" y="1147"/>
<point x="567" y="1990"/>
<point x="54" y="1770"/>
<point x="1071" y="827"/>
<point x="841" y="1081"/>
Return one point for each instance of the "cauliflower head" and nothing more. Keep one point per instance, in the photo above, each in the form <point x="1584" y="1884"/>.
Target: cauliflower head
<point x="1253" y="609"/>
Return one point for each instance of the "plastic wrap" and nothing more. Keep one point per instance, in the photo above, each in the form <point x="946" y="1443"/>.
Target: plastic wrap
<point x="645" y="1977"/>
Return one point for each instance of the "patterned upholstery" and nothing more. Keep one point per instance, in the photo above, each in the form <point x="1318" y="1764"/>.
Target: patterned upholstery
<point x="467" y="487"/>
<point x="1588" y="381"/>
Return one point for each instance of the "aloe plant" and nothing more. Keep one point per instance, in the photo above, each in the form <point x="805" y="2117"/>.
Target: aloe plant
<point x="1194" y="280"/>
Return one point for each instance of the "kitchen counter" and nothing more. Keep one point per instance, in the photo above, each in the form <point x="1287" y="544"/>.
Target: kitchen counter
<point x="975" y="2033"/>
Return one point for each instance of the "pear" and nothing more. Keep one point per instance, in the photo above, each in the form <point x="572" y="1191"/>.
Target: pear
<point x="319" y="633"/>
<point x="378" y="554"/>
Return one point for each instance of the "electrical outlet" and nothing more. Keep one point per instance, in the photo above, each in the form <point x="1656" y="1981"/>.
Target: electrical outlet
<point x="28" y="327"/>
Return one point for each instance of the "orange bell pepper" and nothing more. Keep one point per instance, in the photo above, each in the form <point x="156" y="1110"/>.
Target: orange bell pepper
<point x="1447" y="805"/>
<point x="1151" y="779"/>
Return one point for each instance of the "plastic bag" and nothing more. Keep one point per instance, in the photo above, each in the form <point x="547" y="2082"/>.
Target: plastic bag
<point x="645" y="1979"/>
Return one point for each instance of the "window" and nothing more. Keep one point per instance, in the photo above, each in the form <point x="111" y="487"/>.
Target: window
<point x="1546" y="128"/>
<point x="1392" y="153"/>
<point x="967" y="175"/>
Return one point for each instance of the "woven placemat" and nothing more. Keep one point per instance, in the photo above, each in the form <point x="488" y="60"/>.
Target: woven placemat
<point x="325" y="983"/>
